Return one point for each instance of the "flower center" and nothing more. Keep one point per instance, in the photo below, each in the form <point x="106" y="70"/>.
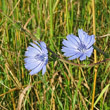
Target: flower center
<point x="41" y="57"/>
<point x="82" y="48"/>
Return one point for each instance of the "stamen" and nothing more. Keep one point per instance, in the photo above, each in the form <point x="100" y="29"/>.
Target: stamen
<point x="82" y="48"/>
<point x="40" y="57"/>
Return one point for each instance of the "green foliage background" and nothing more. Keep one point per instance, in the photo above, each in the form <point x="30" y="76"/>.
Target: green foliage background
<point x="64" y="86"/>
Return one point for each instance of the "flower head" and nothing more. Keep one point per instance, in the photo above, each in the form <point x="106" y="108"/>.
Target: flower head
<point x="37" y="58"/>
<point x="81" y="47"/>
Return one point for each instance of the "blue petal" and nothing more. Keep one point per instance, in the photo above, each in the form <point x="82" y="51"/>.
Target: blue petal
<point x="69" y="51"/>
<point x="69" y="44"/>
<point x="43" y="69"/>
<point x="37" y="69"/>
<point x="43" y="46"/>
<point x="29" y="60"/>
<point x="89" y="52"/>
<point x="68" y="54"/>
<point x="83" y="57"/>
<point x="32" y="50"/>
<point x="32" y="65"/>
<point x="35" y="46"/>
<point x="30" y="53"/>
<point x="46" y="61"/>
<point x="82" y="35"/>
<point x="66" y="49"/>
<point x="72" y="38"/>
<point x="75" y="56"/>
<point x="90" y="41"/>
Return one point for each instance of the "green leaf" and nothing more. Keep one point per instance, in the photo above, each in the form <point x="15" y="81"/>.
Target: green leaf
<point x="101" y="94"/>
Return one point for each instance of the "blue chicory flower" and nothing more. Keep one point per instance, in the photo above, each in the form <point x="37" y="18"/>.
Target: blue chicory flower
<point x="36" y="58"/>
<point x="81" y="47"/>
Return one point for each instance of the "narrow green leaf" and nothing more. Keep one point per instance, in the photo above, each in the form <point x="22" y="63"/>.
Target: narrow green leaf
<point x="101" y="94"/>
